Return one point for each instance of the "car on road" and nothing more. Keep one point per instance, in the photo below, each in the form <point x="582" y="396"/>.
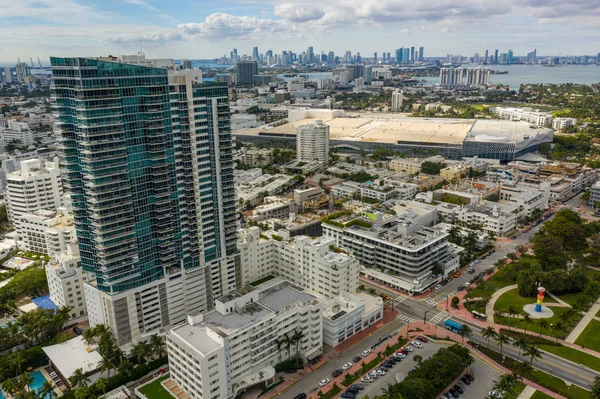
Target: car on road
<point x="365" y="353"/>
<point x="367" y="378"/>
<point x="422" y="339"/>
<point x="437" y="287"/>
<point x="290" y="371"/>
<point x="324" y="382"/>
<point x="471" y="271"/>
<point x="456" y="275"/>
<point x="346" y="366"/>
<point x="417" y="344"/>
<point x="357" y="359"/>
<point x="445" y="282"/>
<point x="77" y="330"/>
<point x="470" y="377"/>
<point x="458" y="389"/>
<point x="466" y="380"/>
<point x="300" y="396"/>
<point x="349" y="395"/>
<point x="453" y="393"/>
<point x="337" y="373"/>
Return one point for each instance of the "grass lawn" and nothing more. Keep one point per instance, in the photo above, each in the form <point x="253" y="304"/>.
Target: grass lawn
<point x="557" y="385"/>
<point x="534" y="327"/>
<point x="568" y="298"/>
<point x="590" y="337"/>
<point x="540" y="395"/>
<point x="262" y="280"/>
<point x="478" y="306"/>
<point x="507" y="275"/>
<point x="512" y="297"/>
<point x="156" y="391"/>
<point x="518" y="389"/>
<point x="598" y="314"/>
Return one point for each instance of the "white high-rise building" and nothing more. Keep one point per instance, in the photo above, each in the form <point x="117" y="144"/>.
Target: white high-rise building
<point x="66" y="281"/>
<point x="8" y="78"/>
<point x="36" y="186"/>
<point x="397" y="98"/>
<point x="309" y="263"/>
<point x="22" y="71"/>
<point x="15" y="132"/>
<point x="46" y="231"/>
<point x="235" y="347"/>
<point x="312" y="142"/>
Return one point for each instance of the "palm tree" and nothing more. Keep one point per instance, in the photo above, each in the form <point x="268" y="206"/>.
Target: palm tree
<point x="558" y="328"/>
<point x="533" y="352"/>
<point x="465" y="331"/>
<point x="9" y="386"/>
<point x="125" y="367"/>
<point x="297" y="337"/>
<point x="105" y="365"/>
<point x="511" y="311"/>
<point x="17" y="361"/>
<point x="279" y="343"/>
<point x="102" y="384"/>
<point x="79" y="379"/>
<point x="391" y="392"/>
<point x="158" y="344"/>
<point x="88" y="336"/>
<point x="288" y="344"/>
<point x="141" y="351"/>
<point x="487" y="333"/>
<point x="501" y="340"/>
<point x="527" y="320"/>
<point x="25" y="380"/>
<point x="522" y="344"/>
<point x="47" y="391"/>
<point x="543" y="325"/>
<point x="595" y="389"/>
<point x="525" y="369"/>
<point x="418" y="359"/>
<point x="82" y="393"/>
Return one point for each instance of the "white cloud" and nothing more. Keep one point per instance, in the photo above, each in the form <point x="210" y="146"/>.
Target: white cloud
<point x="221" y="25"/>
<point x="298" y="12"/>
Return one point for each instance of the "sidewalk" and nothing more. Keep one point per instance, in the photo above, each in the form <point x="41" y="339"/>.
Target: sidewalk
<point x="527" y="392"/>
<point x="583" y="323"/>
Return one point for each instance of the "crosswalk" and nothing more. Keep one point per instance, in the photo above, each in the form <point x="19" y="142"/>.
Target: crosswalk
<point x="441" y="316"/>
<point x="432" y="301"/>
<point x="405" y="319"/>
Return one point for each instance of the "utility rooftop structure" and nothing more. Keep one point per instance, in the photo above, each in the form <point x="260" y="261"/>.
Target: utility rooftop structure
<point x="451" y="138"/>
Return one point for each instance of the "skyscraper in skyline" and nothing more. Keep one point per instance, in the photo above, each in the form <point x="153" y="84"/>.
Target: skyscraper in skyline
<point x="311" y="55"/>
<point x="151" y="179"/>
<point x="485" y="60"/>
<point x="412" y="54"/>
<point x="496" y="56"/>
<point x="245" y="72"/>
<point x="421" y="53"/>
<point x="255" y="53"/>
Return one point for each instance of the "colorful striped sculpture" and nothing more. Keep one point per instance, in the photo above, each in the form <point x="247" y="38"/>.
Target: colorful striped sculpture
<point x="540" y="299"/>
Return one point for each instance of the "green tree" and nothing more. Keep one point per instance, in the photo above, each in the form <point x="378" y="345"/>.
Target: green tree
<point x="141" y="351"/>
<point x="455" y="301"/>
<point x="487" y="333"/>
<point x="157" y="343"/>
<point x="47" y="391"/>
<point x="522" y="344"/>
<point x="501" y="340"/>
<point x="595" y="388"/>
<point x="543" y="323"/>
<point x="527" y="320"/>
<point x="465" y="332"/>
<point x="79" y="379"/>
<point x="533" y="352"/>
<point x="101" y="384"/>
<point x="511" y="312"/>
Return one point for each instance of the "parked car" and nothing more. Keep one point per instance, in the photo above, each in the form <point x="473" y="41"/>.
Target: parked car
<point x="454" y="393"/>
<point x="422" y="339"/>
<point x="408" y="348"/>
<point x="385" y="365"/>
<point x="324" y="382"/>
<point x="400" y="355"/>
<point x="300" y="396"/>
<point x="417" y="344"/>
<point x="444" y="282"/>
<point x="458" y="389"/>
<point x="346" y="366"/>
<point x="357" y="359"/>
<point x="471" y="271"/>
<point x="496" y="394"/>
<point x="365" y="353"/>
<point x="367" y="378"/>
<point x="349" y="395"/>
<point x="437" y="287"/>
<point x="77" y="330"/>
<point x="466" y="380"/>
<point x="353" y="390"/>
<point x="290" y="371"/>
<point x="337" y="373"/>
<point x="373" y="374"/>
<point x="380" y="372"/>
<point x="470" y="377"/>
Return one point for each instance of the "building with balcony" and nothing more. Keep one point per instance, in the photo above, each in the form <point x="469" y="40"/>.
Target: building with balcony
<point x="224" y="352"/>
<point x="46" y="232"/>
<point x="36" y="186"/>
<point x="491" y="219"/>
<point x="147" y="156"/>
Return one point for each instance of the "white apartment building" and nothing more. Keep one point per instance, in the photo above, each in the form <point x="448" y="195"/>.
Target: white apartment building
<point x="491" y="219"/>
<point x="273" y="208"/>
<point x="36" y="186"/>
<point x="257" y="157"/>
<point x="595" y="195"/>
<point x="397" y="98"/>
<point x="232" y="348"/>
<point x="533" y="116"/>
<point x="348" y="314"/>
<point x="253" y="190"/>
<point x="412" y="165"/>
<point x="562" y="123"/>
<point x="309" y="263"/>
<point x="46" y="232"/>
<point x="396" y="245"/>
<point x="312" y="142"/>
<point x="525" y="198"/>
<point x="65" y="282"/>
<point x="15" y="131"/>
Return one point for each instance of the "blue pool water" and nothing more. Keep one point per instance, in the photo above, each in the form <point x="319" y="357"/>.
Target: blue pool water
<point x="38" y="382"/>
<point x="2" y="395"/>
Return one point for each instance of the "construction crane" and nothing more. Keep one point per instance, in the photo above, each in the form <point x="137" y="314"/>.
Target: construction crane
<point x="39" y="62"/>
<point x="31" y="60"/>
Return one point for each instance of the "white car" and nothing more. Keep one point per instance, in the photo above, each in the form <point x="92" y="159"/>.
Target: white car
<point x="437" y="287"/>
<point x="346" y="366"/>
<point x="417" y="344"/>
<point x="365" y="353"/>
<point x="408" y="348"/>
<point x="373" y="374"/>
<point x="380" y="372"/>
<point x="494" y="393"/>
<point x="367" y="379"/>
<point x="324" y="382"/>
<point x="400" y="355"/>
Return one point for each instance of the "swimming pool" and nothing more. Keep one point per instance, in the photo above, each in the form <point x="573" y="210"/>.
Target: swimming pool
<point x="38" y="382"/>
<point x="2" y="395"/>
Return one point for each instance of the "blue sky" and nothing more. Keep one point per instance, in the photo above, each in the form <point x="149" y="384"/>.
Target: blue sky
<point x="211" y="28"/>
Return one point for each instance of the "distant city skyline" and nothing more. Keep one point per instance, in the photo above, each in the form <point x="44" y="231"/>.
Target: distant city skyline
<point x="41" y="28"/>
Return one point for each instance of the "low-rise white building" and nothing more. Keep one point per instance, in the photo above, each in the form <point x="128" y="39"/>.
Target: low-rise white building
<point x="254" y="190"/>
<point x="595" y="195"/>
<point x="563" y="123"/>
<point x="230" y="349"/>
<point x="273" y="208"/>
<point x="313" y="264"/>
<point x="490" y="218"/>
<point x="533" y="116"/>
<point x="348" y="314"/>
<point x="46" y="232"/>
<point x="65" y="282"/>
<point x="16" y="132"/>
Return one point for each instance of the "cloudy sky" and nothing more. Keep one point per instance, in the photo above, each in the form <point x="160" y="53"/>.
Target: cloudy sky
<point x="210" y="28"/>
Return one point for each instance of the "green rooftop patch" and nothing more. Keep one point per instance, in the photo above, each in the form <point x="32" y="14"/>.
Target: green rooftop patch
<point x="262" y="280"/>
